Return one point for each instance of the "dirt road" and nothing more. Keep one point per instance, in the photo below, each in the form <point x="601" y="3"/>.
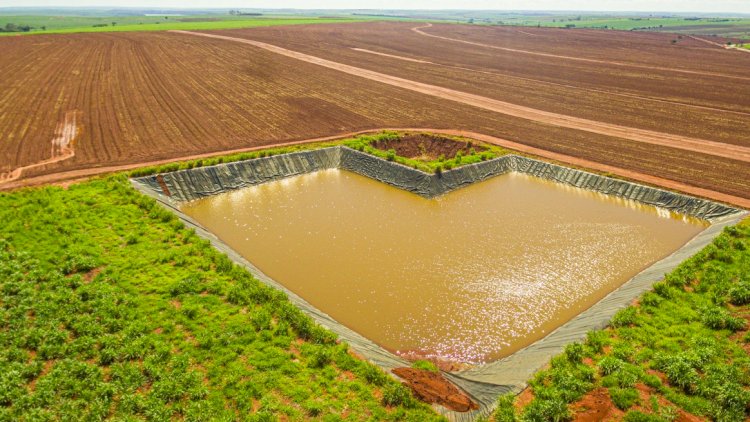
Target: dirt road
<point x="720" y="45"/>
<point x="77" y="175"/>
<point x="718" y="149"/>
<point x="557" y="84"/>
<point x="419" y="29"/>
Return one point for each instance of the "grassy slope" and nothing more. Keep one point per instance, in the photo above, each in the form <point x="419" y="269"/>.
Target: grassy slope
<point x="683" y="347"/>
<point x="68" y="24"/>
<point x="360" y="143"/>
<point x="109" y="307"/>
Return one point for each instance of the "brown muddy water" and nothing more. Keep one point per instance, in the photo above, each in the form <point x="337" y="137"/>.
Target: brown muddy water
<point x="471" y="276"/>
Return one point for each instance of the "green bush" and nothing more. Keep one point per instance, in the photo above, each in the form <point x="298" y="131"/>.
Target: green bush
<point x="505" y="411"/>
<point x="574" y="352"/>
<point x="623" y="398"/>
<point x="425" y="365"/>
<point x="596" y="340"/>
<point x="551" y="410"/>
<point x="740" y="294"/>
<point x="718" y="318"/>
<point x="609" y="365"/>
<point x="624" y="317"/>
<point x="395" y="394"/>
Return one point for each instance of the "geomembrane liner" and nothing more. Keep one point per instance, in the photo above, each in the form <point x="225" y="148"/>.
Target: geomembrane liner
<point x="485" y="382"/>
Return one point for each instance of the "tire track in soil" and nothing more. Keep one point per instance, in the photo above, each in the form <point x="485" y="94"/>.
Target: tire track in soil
<point x="419" y="31"/>
<point x="71" y="176"/>
<point x="718" y="149"/>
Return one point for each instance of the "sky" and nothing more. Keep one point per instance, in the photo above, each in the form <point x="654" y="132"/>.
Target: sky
<point x="711" y="6"/>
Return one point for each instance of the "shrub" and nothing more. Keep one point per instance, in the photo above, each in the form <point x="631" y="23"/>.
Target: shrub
<point x="396" y="395"/>
<point x="391" y="155"/>
<point x="505" y="411"/>
<point x="425" y="365"/>
<point x="679" y="371"/>
<point x="623" y="398"/>
<point x="664" y="290"/>
<point x="574" y="352"/>
<point x="596" y="340"/>
<point x="740" y="294"/>
<point x="551" y="410"/>
<point x="718" y="318"/>
<point x="373" y="374"/>
<point x="624" y="317"/>
<point x="320" y="357"/>
<point x="609" y="365"/>
<point x="187" y="285"/>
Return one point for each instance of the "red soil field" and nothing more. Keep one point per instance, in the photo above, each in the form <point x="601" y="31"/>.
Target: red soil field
<point x="653" y="96"/>
<point x="142" y="97"/>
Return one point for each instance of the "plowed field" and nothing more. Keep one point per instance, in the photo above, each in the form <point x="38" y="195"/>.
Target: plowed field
<point x="141" y="97"/>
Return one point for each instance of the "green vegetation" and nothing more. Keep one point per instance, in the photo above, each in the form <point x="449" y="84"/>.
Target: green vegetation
<point x="360" y="143"/>
<point x="364" y="143"/>
<point x="425" y="365"/>
<point x="682" y="344"/>
<point x="111" y="308"/>
<point x="75" y="24"/>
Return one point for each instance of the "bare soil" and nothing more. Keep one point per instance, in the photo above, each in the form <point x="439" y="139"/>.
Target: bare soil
<point x="65" y="178"/>
<point x="431" y="387"/>
<point x="703" y="146"/>
<point x="156" y="97"/>
<point x="427" y="147"/>
<point x="595" y="406"/>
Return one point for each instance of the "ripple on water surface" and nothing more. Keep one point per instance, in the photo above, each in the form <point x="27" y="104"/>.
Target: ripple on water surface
<point x="469" y="277"/>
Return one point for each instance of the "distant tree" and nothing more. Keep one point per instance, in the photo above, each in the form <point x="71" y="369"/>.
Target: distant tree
<point x="44" y="28"/>
<point x="11" y="27"/>
<point x="114" y="23"/>
<point x="471" y="20"/>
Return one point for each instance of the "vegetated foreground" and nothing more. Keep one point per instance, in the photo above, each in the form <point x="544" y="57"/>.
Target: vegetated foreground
<point x="111" y="309"/>
<point x="679" y="353"/>
<point x="148" y="96"/>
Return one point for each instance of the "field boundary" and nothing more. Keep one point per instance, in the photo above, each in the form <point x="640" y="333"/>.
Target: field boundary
<point x="72" y="176"/>
<point x="719" y="149"/>
<point x="419" y="31"/>
<point x="486" y="382"/>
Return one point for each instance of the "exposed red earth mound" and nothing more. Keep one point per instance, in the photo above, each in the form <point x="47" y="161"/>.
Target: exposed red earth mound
<point x="431" y="387"/>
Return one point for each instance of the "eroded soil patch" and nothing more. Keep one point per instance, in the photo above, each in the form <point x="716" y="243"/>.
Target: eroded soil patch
<point x="432" y="387"/>
<point x="427" y="147"/>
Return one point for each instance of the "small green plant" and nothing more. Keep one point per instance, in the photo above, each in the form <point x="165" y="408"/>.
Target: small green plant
<point x="425" y="365"/>
<point x="549" y="410"/>
<point x="574" y="352"/>
<point x="719" y="318"/>
<point x="391" y="155"/>
<point x="609" y="365"/>
<point x="740" y="294"/>
<point x="624" y="317"/>
<point x="396" y="395"/>
<point x="596" y="340"/>
<point x="505" y="411"/>
<point x="623" y="398"/>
